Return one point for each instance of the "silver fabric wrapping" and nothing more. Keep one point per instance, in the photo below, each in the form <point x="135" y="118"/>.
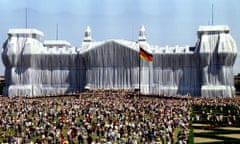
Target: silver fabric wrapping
<point x="32" y="69"/>
<point x="218" y="53"/>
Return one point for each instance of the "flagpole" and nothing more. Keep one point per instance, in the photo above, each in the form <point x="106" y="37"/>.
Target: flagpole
<point x="139" y="69"/>
<point x="26" y="18"/>
<point x="212" y="14"/>
<point x="56" y="31"/>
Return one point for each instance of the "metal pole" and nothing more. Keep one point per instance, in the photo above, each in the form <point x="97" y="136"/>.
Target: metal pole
<point x="139" y="72"/>
<point x="57" y="32"/>
<point x="26" y="18"/>
<point x="212" y="14"/>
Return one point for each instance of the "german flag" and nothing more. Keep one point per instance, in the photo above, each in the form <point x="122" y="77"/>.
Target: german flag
<point x="145" y="55"/>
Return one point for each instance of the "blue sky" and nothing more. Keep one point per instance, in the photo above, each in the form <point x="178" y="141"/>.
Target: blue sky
<point x="167" y="22"/>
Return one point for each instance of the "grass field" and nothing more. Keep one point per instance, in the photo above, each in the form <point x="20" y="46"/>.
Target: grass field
<point x="216" y="135"/>
<point x="207" y="132"/>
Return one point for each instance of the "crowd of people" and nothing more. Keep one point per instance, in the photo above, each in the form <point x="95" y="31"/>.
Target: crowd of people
<point x="98" y="117"/>
<point x="217" y="111"/>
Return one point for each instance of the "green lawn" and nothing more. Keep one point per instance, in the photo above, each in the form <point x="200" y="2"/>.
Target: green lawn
<point x="207" y="132"/>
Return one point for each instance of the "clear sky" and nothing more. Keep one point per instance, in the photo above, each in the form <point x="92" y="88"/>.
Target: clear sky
<point x="167" y="22"/>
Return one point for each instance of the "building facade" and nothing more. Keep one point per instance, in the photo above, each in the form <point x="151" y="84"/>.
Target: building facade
<point x="34" y="67"/>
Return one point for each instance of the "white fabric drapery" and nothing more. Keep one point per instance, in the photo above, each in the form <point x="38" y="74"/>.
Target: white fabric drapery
<point x="33" y="69"/>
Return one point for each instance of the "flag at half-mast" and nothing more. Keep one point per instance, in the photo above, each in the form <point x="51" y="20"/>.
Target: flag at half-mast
<point x="145" y="55"/>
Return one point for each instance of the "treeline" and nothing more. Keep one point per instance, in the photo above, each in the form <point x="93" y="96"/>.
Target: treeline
<point x="237" y="83"/>
<point x="1" y="88"/>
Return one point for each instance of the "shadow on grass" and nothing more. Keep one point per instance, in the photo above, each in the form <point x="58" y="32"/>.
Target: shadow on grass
<point x="215" y="130"/>
<point x="223" y="142"/>
<point x="217" y="134"/>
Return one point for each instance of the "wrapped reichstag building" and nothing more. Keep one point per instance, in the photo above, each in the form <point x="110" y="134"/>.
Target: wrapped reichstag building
<point x="34" y="67"/>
